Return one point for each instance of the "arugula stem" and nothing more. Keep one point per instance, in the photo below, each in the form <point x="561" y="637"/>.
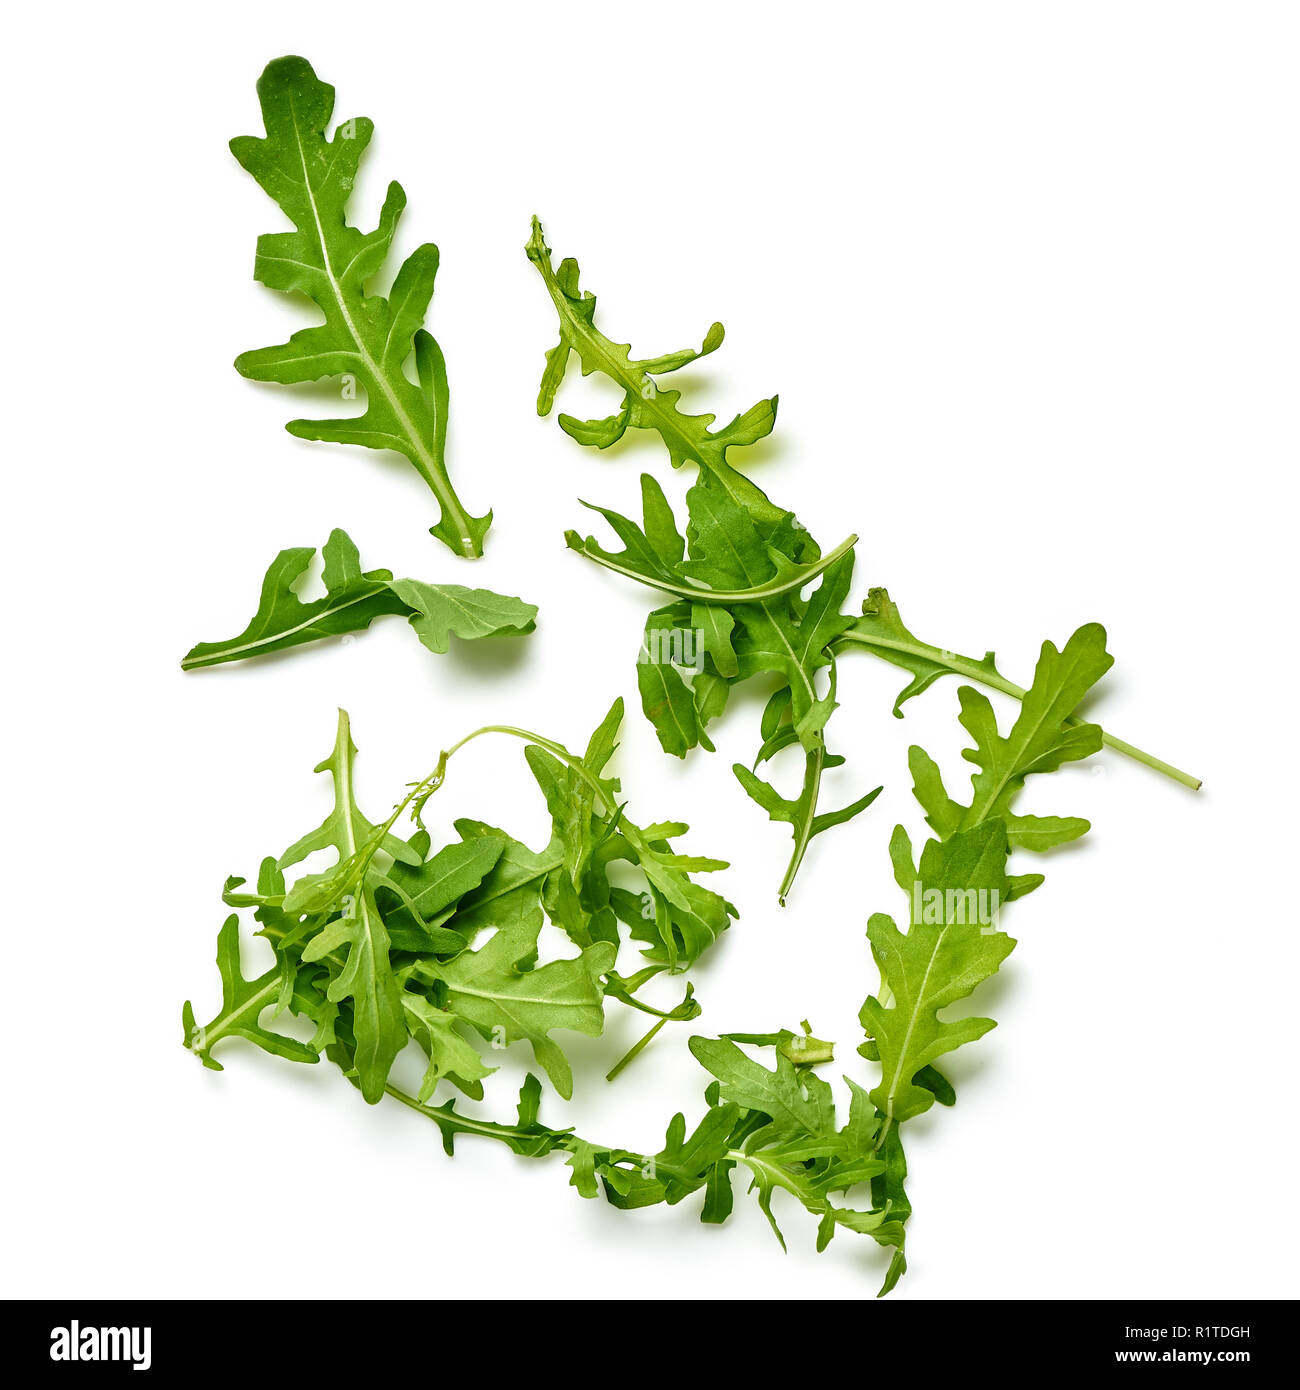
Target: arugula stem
<point x="558" y="749"/>
<point x="466" y="1123"/>
<point x="973" y="670"/>
<point x="773" y="589"/>
<point x="637" y="1047"/>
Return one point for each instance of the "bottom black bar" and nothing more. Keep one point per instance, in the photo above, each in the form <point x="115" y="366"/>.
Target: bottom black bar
<point x="293" y="1337"/>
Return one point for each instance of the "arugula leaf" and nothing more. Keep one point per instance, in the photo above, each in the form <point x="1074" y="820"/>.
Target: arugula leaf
<point x="677" y="918"/>
<point x="353" y="599"/>
<point x="365" y="338"/>
<point x="956" y="891"/>
<point x="881" y="631"/>
<point x="933" y="965"/>
<point x="789" y="1139"/>
<point x="358" y="933"/>
<point x="646" y="405"/>
<point x="242" y="1005"/>
<point x="451" y="1055"/>
<point x="500" y="991"/>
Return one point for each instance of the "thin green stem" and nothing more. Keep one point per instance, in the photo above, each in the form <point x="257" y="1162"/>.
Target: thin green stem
<point x="978" y="671"/>
<point x="636" y="1049"/>
<point x="773" y="589"/>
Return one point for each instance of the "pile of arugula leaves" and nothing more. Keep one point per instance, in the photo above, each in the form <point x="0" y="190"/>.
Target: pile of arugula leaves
<point x="380" y="948"/>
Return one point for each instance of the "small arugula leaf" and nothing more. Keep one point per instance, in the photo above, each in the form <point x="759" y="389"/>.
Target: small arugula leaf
<point x="497" y="990"/>
<point x="1043" y="738"/>
<point x="427" y="892"/>
<point x="353" y="600"/>
<point x="676" y="917"/>
<point x="796" y="1105"/>
<point x="788" y="1139"/>
<point x="450" y="1054"/>
<point x="365" y="338"/>
<point x="645" y="404"/>
<point x="441" y="611"/>
<point x="242" y="1004"/>
<point x="358" y="933"/>
<point x="942" y="958"/>
<point x="880" y="631"/>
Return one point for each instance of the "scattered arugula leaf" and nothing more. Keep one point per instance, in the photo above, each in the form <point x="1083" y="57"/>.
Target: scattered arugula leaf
<point x="365" y="339"/>
<point x="353" y="599"/>
<point x="881" y="631"/>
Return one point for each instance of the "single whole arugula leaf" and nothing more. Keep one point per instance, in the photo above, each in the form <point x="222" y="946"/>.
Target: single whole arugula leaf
<point x="646" y="405"/>
<point x="358" y="932"/>
<point x="881" y="631"/>
<point x="365" y="339"/>
<point x="353" y="599"/>
<point x="242" y="1004"/>
<point x="933" y="965"/>
<point x="955" y="893"/>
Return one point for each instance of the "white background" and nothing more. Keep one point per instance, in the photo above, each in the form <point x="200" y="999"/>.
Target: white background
<point x="1026" y="278"/>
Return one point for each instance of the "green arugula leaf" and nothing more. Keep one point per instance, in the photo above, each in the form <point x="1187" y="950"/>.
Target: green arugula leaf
<point x="881" y="631"/>
<point x="788" y="1139"/>
<point x="365" y="338"/>
<point x="242" y="1004"/>
<point x="956" y="892"/>
<point x="353" y="599"/>
<point x="451" y="1055"/>
<point x="749" y="621"/>
<point x="358" y="933"/>
<point x="941" y="959"/>
<point x="676" y="917"/>
<point x="646" y="405"/>
<point x="498" y="991"/>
